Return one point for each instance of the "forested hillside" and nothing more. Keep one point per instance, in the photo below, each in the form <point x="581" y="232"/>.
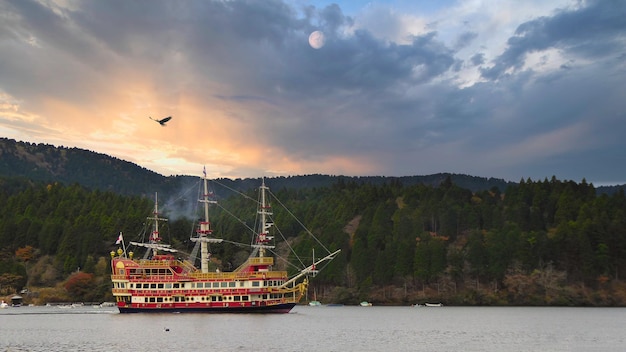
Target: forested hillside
<point x="47" y="163"/>
<point x="546" y="242"/>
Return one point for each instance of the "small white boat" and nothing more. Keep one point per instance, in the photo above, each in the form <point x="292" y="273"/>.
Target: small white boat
<point x="314" y="302"/>
<point x="433" y="304"/>
<point x="365" y="304"/>
<point x="4" y="305"/>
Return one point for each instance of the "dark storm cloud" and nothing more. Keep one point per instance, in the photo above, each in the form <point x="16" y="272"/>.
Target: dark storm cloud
<point x="365" y="63"/>
<point x="332" y="18"/>
<point x="132" y="28"/>
<point x="478" y="59"/>
<point x="464" y="39"/>
<point x="353" y="95"/>
<point x="593" y="31"/>
<point x="52" y="54"/>
<point x="29" y="21"/>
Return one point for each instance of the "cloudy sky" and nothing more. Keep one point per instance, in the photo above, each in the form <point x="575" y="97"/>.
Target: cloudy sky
<point x="504" y="88"/>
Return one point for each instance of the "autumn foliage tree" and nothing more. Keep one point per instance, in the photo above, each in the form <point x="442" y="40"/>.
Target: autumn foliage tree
<point x="25" y="253"/>
<point x="81" y="286"/>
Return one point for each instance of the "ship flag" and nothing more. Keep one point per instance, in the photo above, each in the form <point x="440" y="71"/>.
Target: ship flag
<point x="119" y="239"/>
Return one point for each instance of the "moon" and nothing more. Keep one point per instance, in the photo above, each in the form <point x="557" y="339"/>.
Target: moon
<point x="317" y="39"/>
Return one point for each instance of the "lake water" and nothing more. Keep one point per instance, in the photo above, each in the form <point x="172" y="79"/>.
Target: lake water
<point x="347" y="328"/>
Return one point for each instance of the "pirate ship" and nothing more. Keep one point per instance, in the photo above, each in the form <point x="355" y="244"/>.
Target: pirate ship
<point x="163" y="282"/>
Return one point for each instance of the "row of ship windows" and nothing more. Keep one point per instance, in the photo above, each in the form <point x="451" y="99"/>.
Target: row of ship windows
<point x="208" y="299"/>
<point x="134" y="272"/>
<point x="197" y="285"/>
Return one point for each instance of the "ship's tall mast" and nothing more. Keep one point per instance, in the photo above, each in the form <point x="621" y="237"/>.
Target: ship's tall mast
<point x="154" y="236"/>
<point x="204" y="230"/>
<point x="154" y="242"/>
<point x="263" y="237"/>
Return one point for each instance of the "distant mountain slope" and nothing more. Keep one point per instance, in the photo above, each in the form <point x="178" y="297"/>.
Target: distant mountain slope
<point x="48" y="163"/>
<point x="472" y="183"/>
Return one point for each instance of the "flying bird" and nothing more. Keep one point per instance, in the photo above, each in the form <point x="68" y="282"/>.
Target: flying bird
<point x="162" y="121"/>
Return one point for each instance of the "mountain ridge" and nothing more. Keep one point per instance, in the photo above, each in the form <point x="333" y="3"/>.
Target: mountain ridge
<point x="48" y="163"/>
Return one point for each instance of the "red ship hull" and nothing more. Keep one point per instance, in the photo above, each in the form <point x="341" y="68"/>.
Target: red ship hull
<point x="278" y="309"/>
